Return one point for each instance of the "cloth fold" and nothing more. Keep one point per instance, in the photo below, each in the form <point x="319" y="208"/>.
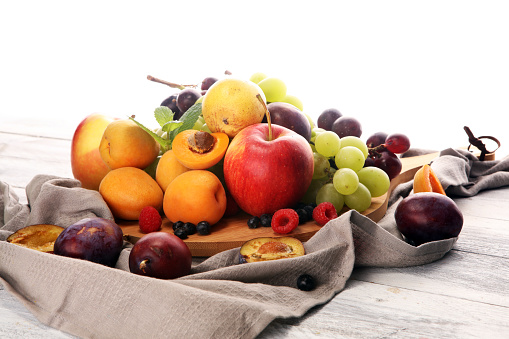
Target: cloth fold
<point x="220" y="298"/>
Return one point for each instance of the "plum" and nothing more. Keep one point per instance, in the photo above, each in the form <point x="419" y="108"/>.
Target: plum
<point x="289" y="116"/>
<point x="428" y="216"/>
<point x="94" y="239"/>
<point x="39" y="237"/>
<point x="160" y="255"/>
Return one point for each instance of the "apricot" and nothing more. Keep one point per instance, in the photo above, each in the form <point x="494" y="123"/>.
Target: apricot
<point x="168" y="169"/>
<point x="199" y="149"/>
<point x="125" y="144"/>
<point x="195" y="196"/>
<point x="425" y="180"/>
<point x="127" y="190"/>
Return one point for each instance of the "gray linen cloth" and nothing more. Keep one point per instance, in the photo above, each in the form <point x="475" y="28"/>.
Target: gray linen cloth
<point x="220" y="298"/>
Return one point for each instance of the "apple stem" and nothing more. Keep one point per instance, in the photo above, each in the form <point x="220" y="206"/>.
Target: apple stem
<point x="171" y="84"/>
<point x="267" y="113"/>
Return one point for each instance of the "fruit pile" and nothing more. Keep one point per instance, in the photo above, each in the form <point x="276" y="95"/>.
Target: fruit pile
<point x="233" y="145"/>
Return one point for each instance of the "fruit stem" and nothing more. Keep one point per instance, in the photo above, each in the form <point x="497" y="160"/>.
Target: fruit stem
<point x="143" y="265"/>
<point x="171" y="84"/>
<point x="267" y="113"/>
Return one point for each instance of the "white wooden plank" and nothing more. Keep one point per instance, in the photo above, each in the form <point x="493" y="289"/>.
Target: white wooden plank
<point x="367" y="310"/>
<point x="463" y="275"/>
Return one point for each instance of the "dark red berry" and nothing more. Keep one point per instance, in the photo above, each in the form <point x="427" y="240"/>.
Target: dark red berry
<point x="284" y="221"/>
<point x="150" y="220"/>
<point x="324" y="212"/>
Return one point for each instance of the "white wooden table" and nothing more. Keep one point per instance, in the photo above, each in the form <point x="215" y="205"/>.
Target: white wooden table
<point x="464" y="295"/>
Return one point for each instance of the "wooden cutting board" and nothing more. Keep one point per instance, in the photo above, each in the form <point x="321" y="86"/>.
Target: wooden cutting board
<point x="232" y="232"/>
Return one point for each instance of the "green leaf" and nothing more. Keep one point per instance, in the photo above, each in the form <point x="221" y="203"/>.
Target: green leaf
<point x="172" y="125"/>
<point x="188" y="120"/>
<point x="163" y="115"/>
<point x="165" y="144"/>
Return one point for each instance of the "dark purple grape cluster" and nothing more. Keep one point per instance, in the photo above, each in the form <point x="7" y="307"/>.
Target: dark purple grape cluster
<point x="181" y="101"/>
<point x="383" y="150"/>
<point x="331" y="119"/>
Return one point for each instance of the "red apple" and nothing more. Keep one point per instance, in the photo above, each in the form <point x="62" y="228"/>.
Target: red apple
<point x="86" y="162"/>
<point x="264" y="175"/>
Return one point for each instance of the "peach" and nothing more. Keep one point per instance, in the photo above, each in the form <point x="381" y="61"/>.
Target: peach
<point x="168" y="169"/>
<point x="125" y="144"/>
<point x="127" y="190"/>
<point x="86" y="162"/>
<point x="195" y="196"/>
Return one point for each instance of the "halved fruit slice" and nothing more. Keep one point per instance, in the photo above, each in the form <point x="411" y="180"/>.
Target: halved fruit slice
<point x="37" y="237"/>
<point x="425" y="180"/>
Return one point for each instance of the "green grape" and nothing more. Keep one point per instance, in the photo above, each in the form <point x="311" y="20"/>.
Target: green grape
<point x="199" y="123"/>
<point x="313" y="148"/>
<point x="327" y="143"/>
<point x="360" y="200"/>
<point x="345" y="181"/>
<point x="354" y="141"/>
<point x="273" y="88"/>
<point x="257" y="77"/>
<point x="206" y="128"/>
<point x="330" y="194"/>
<point x="375" y="179"/>
<point x="322" y="166"/>
<point x="311" y="122"/>
<point x="310" y="195"/>
<point x="350" y="157"/>
<point x="292" y="99"/>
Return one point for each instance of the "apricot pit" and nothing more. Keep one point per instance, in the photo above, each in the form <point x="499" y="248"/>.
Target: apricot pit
<point x="199" y="149"/>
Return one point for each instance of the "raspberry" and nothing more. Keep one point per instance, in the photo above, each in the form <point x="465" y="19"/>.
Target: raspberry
<point x="284" y="221"/>
<point x="150" y="220"/>
<point x="324" y="212"/>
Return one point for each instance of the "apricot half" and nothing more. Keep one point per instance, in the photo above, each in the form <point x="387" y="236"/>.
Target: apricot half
<point x="37" y="237"/>
<point x="425" y="180"/>
<point x="199" y="149"/>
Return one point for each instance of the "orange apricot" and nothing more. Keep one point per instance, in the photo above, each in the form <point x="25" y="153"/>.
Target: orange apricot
<point x="199" y="149"/>
<point x="168" y="169"/>
<point x="425" y="180"/>
<point x="127" y="190"/>
<point x="195" y="196"/>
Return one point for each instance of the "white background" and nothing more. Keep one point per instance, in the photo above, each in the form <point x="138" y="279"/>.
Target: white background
<point x="424" y="68"/>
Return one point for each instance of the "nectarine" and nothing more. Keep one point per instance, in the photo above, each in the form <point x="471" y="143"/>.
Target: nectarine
<point x="86" y="162"/>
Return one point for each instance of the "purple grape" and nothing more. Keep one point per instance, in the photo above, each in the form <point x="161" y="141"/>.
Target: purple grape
<point x="397" y="143"/>
<point x="187" y="98"/>
<point x="327" y="118"/>
<point x="347" y="126"/>
<point x="171" y="103"/>
<point x="376" y="139"/>
<point x="207" y="82"/>
<point x="388" y="162"/>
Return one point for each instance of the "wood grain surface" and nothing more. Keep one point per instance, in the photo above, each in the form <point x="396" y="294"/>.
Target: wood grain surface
<point x="463" y="295"/>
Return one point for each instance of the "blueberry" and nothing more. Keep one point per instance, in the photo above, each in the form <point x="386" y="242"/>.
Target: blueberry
<point x="253" y="222"/>
<point x="309" y="209"/>
<point x="177" y="224"/>
<point x="303" y="215"/>
<point x="190" y="228"/>
<point x="203" y="228"/>
<point x="305" y="282"/>
<point x="181" y="233"/>
<point x="266" y="220"/>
